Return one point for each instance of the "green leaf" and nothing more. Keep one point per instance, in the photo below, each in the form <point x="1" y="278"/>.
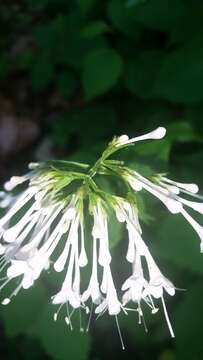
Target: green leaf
<point x="161" y="15"/>
<point x="67" y="83"/>
<point x="178" y="243"/>
<point x="38" y="4"/>
<point x="188" y="324"/>
<point x="44" y="36"/>
<point x="134" y="2"/>
<point x="121" y="17"/>
<point x="86" y="6"/>
<point x="91" y="124"/>
<point x="194" y="115"/>
<point x="182" y="131"/>
<point x="20" y="315"/>
<point x="181" y="75"/>
<point x="159" y="148"/>
<point x="142" y="71"/>
<point x="101" y="71"/>
<point x="183" y="33"/>
<point x="95" y="28"/>
<point x="179" y="131"/>
<point x="74" y="49"/>
<point x="58" y="340"/>
<point x="42" y="72"/>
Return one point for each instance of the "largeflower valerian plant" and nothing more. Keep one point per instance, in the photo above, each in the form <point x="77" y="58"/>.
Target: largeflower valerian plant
<point x="44" y="226"/>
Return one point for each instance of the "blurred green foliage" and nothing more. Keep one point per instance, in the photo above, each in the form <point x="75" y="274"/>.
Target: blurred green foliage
<point x="119" y="66"/>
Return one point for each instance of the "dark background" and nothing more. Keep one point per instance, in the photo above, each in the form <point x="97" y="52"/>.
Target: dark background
<point x="74" y="73"/>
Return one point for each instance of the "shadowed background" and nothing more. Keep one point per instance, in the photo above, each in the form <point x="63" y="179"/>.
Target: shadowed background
<point x="74" y="73"/>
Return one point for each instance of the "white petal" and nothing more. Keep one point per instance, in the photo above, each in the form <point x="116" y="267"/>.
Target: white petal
<point x="170" y="290"/>
<point x="127" y="284"/>
<point x="114" y="307"/>
<point x="28" y="281"/>
<point x="60" y="298"/>
<point x="74" y="299"/>
<point x="155" y="291"/>
<point x="85" y="296"/>
<point x="16" y="268"/>
<point x="119" y="215"/>
<point x="100" y="308"/>
<point x="126" y="297"/>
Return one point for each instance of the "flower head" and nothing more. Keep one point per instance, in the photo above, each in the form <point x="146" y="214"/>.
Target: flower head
<point x="44" y="226"/>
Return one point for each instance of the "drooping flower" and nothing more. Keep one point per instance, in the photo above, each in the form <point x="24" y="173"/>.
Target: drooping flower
<point x="168" y="192"/>
<point x="44" y="227"/>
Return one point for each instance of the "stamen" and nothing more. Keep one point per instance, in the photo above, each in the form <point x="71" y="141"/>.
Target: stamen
<point x="80" y="318"/>
<point x="124" y="310"/>
<point x="69" y="317"/>
<point x="119" y="332"/>
<point x="57" y="312"/>
<point x="139" y="315"/>
<point x="167" y="318"/>
<point x="6" y="301"/>
<point x="90" y="317"/>
<point x="4" y="284"/>
<point x="130" y="309"/>
<point x="4" y="262"/>
<point x="144" y="323"/>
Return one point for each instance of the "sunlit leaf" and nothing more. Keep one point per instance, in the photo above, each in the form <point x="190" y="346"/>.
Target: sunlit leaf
<point x="101" y="71"/>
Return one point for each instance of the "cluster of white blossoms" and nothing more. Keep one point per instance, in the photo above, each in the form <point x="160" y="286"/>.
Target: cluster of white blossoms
<point x="43" y="226"/>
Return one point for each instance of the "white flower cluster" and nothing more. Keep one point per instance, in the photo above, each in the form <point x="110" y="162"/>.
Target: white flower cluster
<point x="44" y="227"/>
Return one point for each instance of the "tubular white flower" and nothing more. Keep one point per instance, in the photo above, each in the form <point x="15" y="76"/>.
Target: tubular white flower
<point x="93" y="290"/>
<point x="134" y="183"/>
<point x="15" y="181"/>
<point x="100" y="231"/>
<point x="162" y="194"/>
<point x="6" y="199"/>
<point x="20" y="202"/>
<point x="136" y="283"/>
<point x="156" y="134"/>
<point x="136" y="286"/>
<point x="70" y="291"/>
<point x="169" y="196"/>
<point x="189" y="189"/>
<point x="192" y="188"/>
